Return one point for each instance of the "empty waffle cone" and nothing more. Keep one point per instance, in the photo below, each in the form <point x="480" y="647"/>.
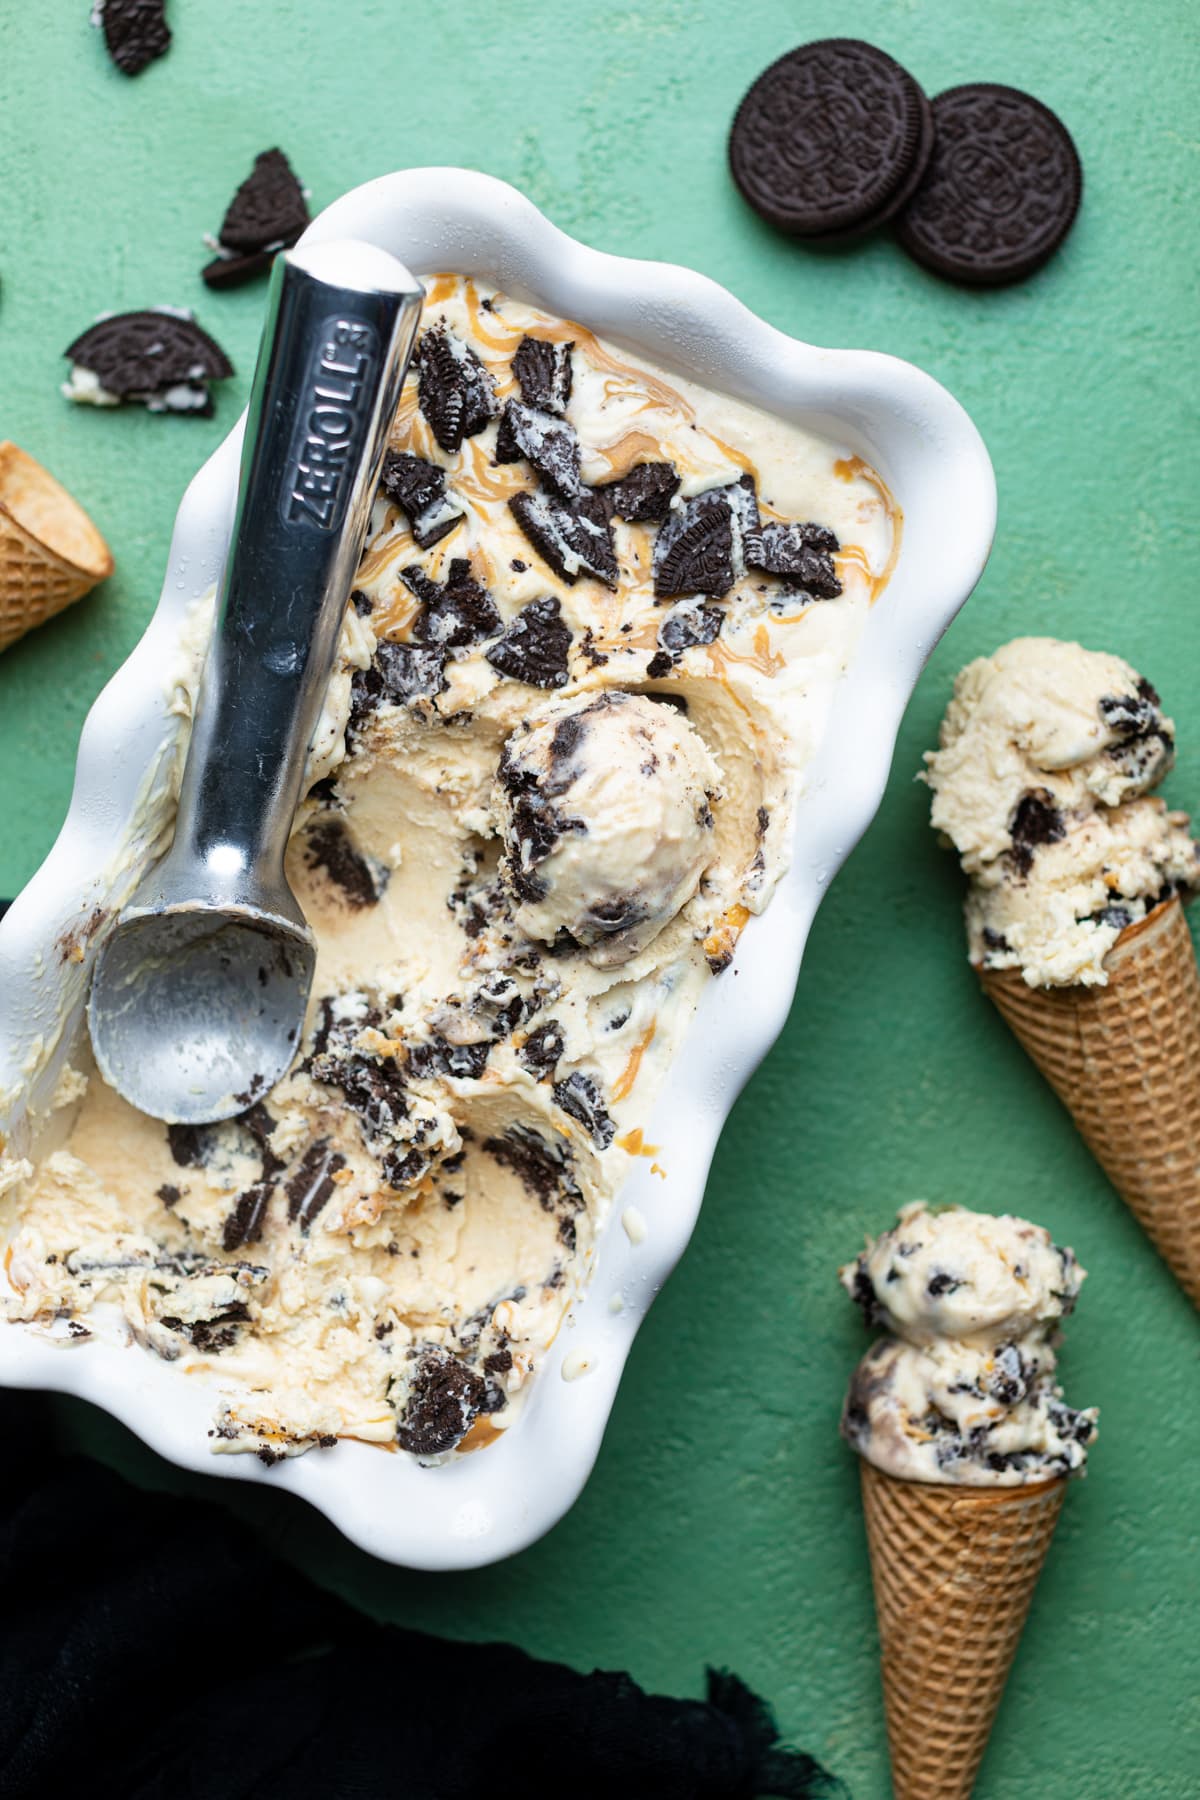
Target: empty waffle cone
<point x="1126" y="1060"/>
<point x="954" y="1570"/>
<point x="50" y="552"/>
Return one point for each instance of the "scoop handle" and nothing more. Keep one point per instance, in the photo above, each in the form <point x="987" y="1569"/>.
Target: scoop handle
<point x="341" y="320"/>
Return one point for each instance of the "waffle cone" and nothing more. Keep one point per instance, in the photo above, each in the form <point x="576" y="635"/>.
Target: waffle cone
<point x="954" y="1570"/>
<point x="50" y="552"/>
<point x="1126" y="1060"/>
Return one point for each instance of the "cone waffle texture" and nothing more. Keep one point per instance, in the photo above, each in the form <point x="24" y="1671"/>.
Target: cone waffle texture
<point x="954" y="1570"/>
<point x="50" y="552"/>
<point x="1126" y="1060"/>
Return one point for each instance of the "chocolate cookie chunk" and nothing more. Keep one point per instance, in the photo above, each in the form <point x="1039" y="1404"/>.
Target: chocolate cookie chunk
<point x="455" y="614"/>
<point x="398" y="673"/>
<point x="831" y="140"/>
<point x="579" y="1097"/>
<point x="547" y="443"/>
<point x="454" y="390"/>
<point x="802" y="553"/>
<point x="691" y="622"/>
<point x="267" y="214"/>
<point x="444" y="1398"/>
<point x="542" y="1167"/>
<point x="542" y="1049"/>
<point x="1001" y="191"/>
<point x="329" y="847"/>
<point x="573" y="537"/>
<point x="1036" y="821"/>
<point x="543" y="371"/>
<point x="136" y="32"/>
<point x="701" y="547"/>
<point x="419" y="489"/>
<point x="162" y="360"/>
<point x="642" y="495"/>
<point x="309" y="1187"/>
<point x="535" y="647"/>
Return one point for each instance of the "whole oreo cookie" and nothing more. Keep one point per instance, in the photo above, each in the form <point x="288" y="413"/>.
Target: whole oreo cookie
<point x="1001" y="191"/>
<point x="831" y="140"/>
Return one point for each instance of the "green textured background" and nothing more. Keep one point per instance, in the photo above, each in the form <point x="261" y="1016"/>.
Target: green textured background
<point x="722" y="1522"/>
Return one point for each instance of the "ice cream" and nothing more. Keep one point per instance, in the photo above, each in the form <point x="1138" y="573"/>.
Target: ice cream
<point x="961" y="1389"/>
<point x="590" y="652"/>
<point x="1041" y="782"/>
<point x="607" y="822"/>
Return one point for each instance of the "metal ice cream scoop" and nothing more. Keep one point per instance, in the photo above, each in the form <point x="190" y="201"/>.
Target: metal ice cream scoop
<point x="198" y="998"/>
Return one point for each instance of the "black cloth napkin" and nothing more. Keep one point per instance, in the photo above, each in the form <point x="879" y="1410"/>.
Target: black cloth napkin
<point x="150" y="1648"/>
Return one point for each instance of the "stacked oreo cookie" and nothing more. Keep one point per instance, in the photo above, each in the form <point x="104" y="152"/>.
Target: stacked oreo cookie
<point x="836" y="139"/>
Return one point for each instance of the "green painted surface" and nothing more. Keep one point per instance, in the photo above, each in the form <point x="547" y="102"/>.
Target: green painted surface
<point x="722" y="1521"/>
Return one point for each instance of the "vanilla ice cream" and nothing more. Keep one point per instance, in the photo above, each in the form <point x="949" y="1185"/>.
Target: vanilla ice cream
<point x="605" y="810"/>
<point x="590" y="653"/>
<point x="1041" y="782"/>
<point x="961" y="1389"/>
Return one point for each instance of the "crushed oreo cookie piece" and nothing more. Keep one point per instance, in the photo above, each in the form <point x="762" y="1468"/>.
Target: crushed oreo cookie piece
<point x="579" y="1096"/>
<point x="543" y="1049"/>
<point x="1116" y="916"/>
<point x="443" y="1401"/>
<point x="547" y="443"/>
<point x="542" y="1167"/>
<point x="210" y="1336"/>
<point x="574" y="539"/>
<point x="169" y="1194"/>
<point x="802" y="553"/>
<point x="454" y="614"/>
<point x="190" y="1145"/>
<point x="701" y="546"/>
<point x="374" y="1088"/>
<point x="466" y="1062"/>
<point x="1133" y="716"/>
<point x="419" y="490"/>
<point x="535" y="647"/>
<point x="644" y="494"/>
<point x="536" y="822"/>
<point x="136" y="32"/>
<point x="245" y="1223"/>
<point x="158" y="359"/>
<point x="266" y="215"/>
<point x="689" y="623"/>
<point x="398" y="673"/>
<point x="454" y="390"/>
<point x="543" y="371"/>
<point x="309" y="1187"/>
<point x="660" y="665"/>
<point x="1036" y="821"/>
<point x="329" y="847"/>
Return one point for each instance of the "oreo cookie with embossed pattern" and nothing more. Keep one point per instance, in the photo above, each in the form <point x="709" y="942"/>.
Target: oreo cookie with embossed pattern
<point x="1002" y="188"/>
<point x="831" y="140"/>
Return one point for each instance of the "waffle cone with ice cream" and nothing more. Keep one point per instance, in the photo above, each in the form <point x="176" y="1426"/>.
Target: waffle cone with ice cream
<point x="1125" y="1060"/>
<point x="966" y="1447"/>
<point x="1043" y="782"/>
<point x="50" y="552"/>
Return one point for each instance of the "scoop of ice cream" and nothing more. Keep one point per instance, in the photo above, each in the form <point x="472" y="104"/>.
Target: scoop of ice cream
<point x="976" y="1277"/>
<point x="962" y="1388"/>
<point x="1046" y="752"/>
<point x="603" y="804"/>
<point x="1039" y="719"/>
<point x="1107" y="869"/>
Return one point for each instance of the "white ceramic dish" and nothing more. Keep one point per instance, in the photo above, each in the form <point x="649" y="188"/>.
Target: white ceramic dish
<point x="482" y="1507"/>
